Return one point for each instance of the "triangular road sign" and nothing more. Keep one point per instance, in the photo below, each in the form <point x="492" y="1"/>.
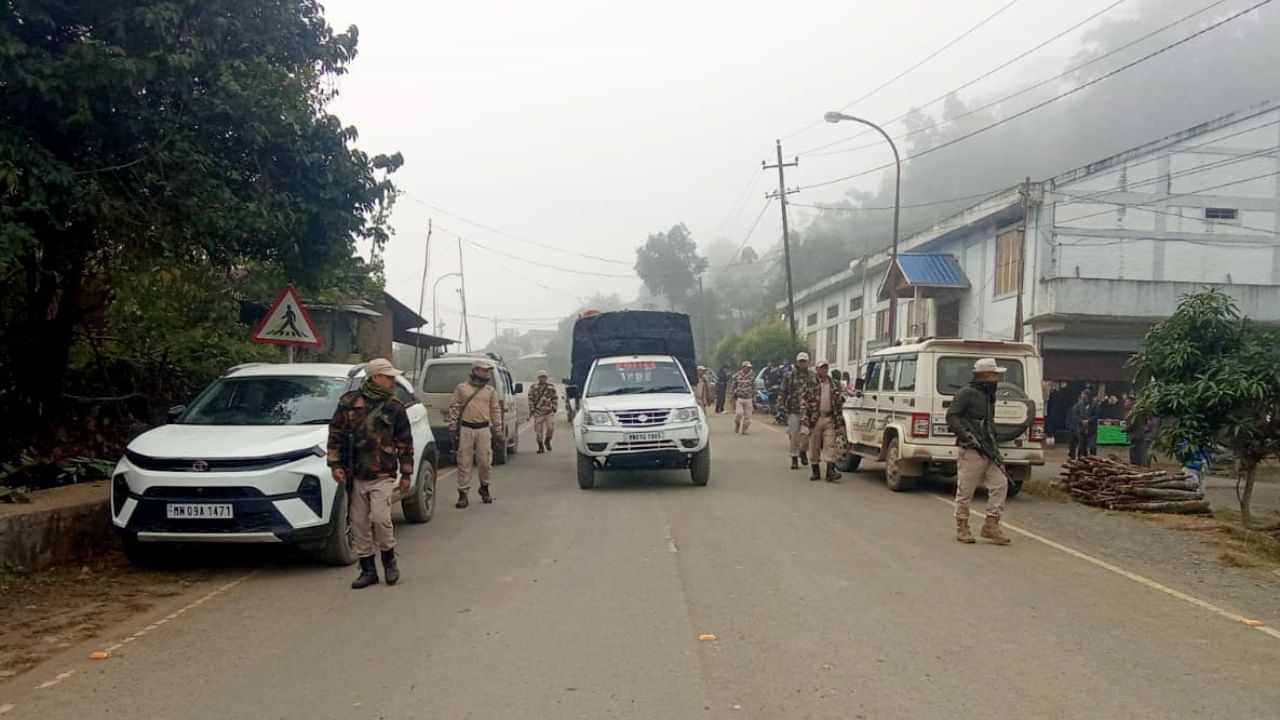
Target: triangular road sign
<point x="287" y="323"/>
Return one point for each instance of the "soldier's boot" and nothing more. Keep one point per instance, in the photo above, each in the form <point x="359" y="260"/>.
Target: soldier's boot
<point x="548" y="442"/>
<point x="804" y="458"/>
<point x="541" y="447"/>
<point x="991" y="531"/>
<point x="795" y="463"/>
<point x="485" y="497"/>
<point x="390" y="570"/>
<point x="963" y="533"/>
<point x="737" y="425"/>
<point x="816" y="474"/>
<point x="368" y="573"/>
<point x="833" y="475"/>
<point x="462" y="500"/>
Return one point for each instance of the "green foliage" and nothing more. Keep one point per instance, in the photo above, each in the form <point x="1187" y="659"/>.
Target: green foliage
<point x="669" y="265"/>
<point x="1214" y="378"/>
<point x="763" y="342"/>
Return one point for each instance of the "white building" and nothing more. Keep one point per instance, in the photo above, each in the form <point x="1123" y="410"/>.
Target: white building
<point x="1112" y="246"/>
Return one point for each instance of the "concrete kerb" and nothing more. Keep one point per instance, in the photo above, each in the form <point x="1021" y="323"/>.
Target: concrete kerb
<point x="59" y="525"/>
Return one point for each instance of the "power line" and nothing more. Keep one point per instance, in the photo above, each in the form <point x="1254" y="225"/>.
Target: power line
<point x="914" y="67"/>
<point x="1034" y="86"/>
<point x="747" y="237"/>
<point x="947" y="201"/>
<point x="980" y="78"/>
<point x="1051" y="100"/>
<point x="509" y="236"/>
<point x="537" y="263"/>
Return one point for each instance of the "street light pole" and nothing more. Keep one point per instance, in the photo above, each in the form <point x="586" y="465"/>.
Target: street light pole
<point x="835" y="117"/>
<point x="436" y="303"/>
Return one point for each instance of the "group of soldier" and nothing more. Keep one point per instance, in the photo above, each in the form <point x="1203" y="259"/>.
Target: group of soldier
<point x="380" y="457"/>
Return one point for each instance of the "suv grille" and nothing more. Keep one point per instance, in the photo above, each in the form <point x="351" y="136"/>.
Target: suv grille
<point x="642" y="418"/>
<point x="215" y="465"/>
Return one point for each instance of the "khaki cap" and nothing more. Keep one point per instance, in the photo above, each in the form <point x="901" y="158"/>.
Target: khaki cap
<point x="381" y="366"/>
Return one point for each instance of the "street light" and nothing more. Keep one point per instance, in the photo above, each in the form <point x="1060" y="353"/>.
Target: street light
<point x="434" y="302"/>
<point x="835" y="117"/>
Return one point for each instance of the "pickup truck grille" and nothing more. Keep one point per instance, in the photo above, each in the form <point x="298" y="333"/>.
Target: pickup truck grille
<point x="642" y="418"/>
<point x="646" y="446"/>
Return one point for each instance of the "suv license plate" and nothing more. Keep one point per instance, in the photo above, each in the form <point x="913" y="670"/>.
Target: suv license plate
<point x="199" y="511"/>
<point x="644" y="437"/>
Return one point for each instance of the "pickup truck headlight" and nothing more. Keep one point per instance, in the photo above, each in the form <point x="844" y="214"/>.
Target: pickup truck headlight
<point x="599" y="418"/>
<point x="687" y="414"/>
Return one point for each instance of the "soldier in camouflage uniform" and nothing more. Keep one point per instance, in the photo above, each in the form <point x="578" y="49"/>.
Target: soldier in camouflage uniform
<point x="795" y="387"/>
<point x="822" y="422"/>
<point x="377" y="426"/>
<point x="971" y="417"/>
<point x="543" y="403"/>
<point x="744" y="393"/>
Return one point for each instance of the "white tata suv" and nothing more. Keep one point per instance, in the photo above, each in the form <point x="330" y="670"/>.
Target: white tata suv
<point x="245" y="463"/>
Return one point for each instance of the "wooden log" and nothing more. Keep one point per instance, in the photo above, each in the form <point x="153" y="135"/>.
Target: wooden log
<point x="1180" y="507"/>
<point x="1164" y="494"/>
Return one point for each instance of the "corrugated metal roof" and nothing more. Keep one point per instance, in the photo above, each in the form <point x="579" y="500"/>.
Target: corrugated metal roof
<point x="932" y="270"/>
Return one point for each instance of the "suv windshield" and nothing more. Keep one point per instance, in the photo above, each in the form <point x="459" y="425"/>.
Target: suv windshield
<point x="267" y="401"/>
<point x="443" y="378"/>
<point x="956" y="372"/>
<point x="637" y="378"/>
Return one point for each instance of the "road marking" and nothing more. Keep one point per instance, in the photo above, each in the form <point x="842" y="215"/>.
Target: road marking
<point x="174" y="615"/>
<point x="6" y="708"/>
<point x="56" y="679"/>
<point x="1140" y="579"/>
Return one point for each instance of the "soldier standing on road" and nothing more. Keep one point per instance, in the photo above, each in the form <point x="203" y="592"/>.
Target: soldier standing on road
<point x="543" y="404"/>
<point x="744" y="393"/>
<point x="797" y="385"/>
<point x="376" y="425"/>
<point x="702" y="391"/>
<point x="821" y="419"/>
<point x="477" y="415"/>
<point x="972" y="418"/>
<point x="722" y="387"/>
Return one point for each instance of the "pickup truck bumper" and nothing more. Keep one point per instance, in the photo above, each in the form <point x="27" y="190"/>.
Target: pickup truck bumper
<point x="948" y="454"/>
<point x="616" y="446"/>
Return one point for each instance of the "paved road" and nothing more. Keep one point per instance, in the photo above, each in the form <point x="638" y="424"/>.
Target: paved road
<point x="829" y="601"/>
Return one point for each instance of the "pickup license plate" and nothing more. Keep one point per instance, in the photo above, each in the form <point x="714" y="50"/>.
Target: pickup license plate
<point x="199" y="511"/>
<point x="644" y="437"/>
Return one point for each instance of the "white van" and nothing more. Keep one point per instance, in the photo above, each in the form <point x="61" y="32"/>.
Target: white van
<point x="898" y="413"/>
<point x="440" y="376"/>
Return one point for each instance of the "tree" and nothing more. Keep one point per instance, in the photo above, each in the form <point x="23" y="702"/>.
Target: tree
<point x="1213" y="377"/>
<point x="192" y="132"/>
<point x="763" y="342"/>
<point x="669" y="265"/>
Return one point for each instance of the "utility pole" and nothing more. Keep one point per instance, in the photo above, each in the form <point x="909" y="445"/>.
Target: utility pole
<point x="1022" y="254"/>
<point x="422" y="299"/>
<point x="702" y="300"/>
<point x="781" y="195"/>
<point x="466" y="326"/>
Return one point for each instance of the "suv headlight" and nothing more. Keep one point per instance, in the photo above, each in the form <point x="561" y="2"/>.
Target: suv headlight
<point x="598" y="418"/>
<point x="687" y="414"/>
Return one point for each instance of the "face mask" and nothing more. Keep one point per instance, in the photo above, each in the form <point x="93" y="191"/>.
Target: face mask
<point x="478" y="379"/>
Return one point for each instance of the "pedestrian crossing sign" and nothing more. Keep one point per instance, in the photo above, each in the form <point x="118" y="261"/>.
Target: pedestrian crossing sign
<point x="287" y="323"/>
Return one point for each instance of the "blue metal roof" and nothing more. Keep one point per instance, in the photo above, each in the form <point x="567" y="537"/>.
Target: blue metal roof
<point x="932" y="270"/>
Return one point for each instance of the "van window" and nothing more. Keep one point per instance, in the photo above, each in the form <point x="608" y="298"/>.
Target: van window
<point x="890" y="370"/>
<point x="873" y="376"/>
<point x="907" y="374"/>
<point x="444" y="377"/>
<point x="956" y="372"/>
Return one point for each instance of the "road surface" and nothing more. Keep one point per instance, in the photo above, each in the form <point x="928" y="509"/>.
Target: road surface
<point x="827" y="601"/>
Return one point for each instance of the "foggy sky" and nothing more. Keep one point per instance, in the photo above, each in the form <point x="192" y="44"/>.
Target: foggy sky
<point x="586" y="125"/>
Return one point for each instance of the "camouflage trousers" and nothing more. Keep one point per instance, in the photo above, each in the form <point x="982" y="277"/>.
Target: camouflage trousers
<point x="973" y="470"/>
<point x="371" y="515"/>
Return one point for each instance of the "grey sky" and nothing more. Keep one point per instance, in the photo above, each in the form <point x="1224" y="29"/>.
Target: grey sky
<point x="588" y="125"/>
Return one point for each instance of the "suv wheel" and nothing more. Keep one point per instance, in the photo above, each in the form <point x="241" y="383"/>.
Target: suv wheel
<point x="700" y="466"/>
<point x="586" y="472"/>
<point x="850" y="461"/>
<point x="421" y="505"/>
<point x="1018" y="474"/>
<point x="893" y="469"/>
<point x="340" y="548"/>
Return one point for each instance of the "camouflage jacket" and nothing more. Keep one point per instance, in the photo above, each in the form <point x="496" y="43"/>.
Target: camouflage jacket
<point x="383" y="441"/>
<point x="744" y="385"/>
<point x="795" y="387"/>
<point x="971" y="417"/>
<point x="812" y="399"/>
<point x="543" y="399"/>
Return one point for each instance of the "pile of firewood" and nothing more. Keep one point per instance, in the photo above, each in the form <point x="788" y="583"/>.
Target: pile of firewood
<point x="1114" y="485"/>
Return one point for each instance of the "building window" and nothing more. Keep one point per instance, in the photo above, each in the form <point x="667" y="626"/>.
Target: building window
<point x="855" y="340"/>
<point x="833" y="343"/>
<point x="811" y="344"/>
<point x="833" y="311"/>
<point x="1008" y="257"/>
<point x="855" y="304"/>
<point x="882" y="324"/>
<point x="918" y="317"/>
<point x="812" y="319"/>
<point x="1221" y="214"/>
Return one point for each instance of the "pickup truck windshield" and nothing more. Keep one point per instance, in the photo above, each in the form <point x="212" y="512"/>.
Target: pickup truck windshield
<point x="637" y="378"/>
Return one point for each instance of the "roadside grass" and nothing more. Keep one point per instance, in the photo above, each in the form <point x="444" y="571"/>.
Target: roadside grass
<point x="1045" y="490"/>
<point x="1236" y="546"/>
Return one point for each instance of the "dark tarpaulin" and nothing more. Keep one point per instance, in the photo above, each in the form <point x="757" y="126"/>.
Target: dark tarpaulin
<point x="632" y="332"/>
